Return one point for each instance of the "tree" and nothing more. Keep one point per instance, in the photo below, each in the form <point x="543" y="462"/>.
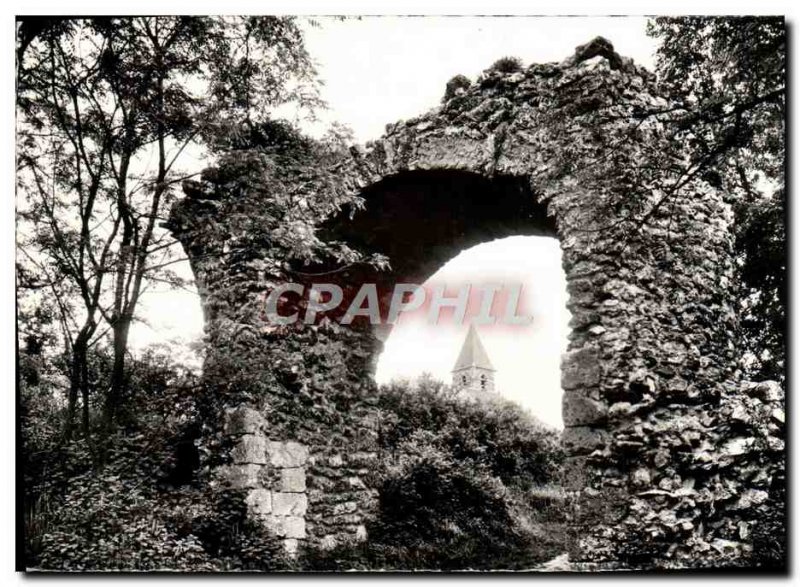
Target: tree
<point x="729" y="76"/>
<point x="98" y="100"/>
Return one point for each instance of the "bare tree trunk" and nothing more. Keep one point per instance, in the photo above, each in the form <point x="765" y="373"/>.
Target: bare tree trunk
<point x="133" y="258"/>
<point x="118" y="374"/>
<point x="77" y="371"/>
<point x="72" y="398"/>
<point x="85" y="396"/>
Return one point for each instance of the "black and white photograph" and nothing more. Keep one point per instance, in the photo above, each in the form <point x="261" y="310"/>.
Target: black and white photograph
<point x="334" y="293"/>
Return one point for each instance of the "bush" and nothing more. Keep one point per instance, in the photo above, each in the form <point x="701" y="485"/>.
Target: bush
<point x="514" y="446"/>
<point x="440" y="514"/>
<point x="107" y="523"/>
<point x="140" y="501"/>
<point x="461" y="487"/>
<point x="507" y="65"/>
<point x="458" y="82"/>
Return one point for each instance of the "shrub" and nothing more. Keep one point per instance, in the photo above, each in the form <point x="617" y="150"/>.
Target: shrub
<point x="140" y="501"/>
<point x="107" y="523"/>
<point x="458" y="82"/>
<point x="509" y="442"/>
<point x="460" y="488"/>
<point x="439" y="514"/>
<point x="507" y="65"/>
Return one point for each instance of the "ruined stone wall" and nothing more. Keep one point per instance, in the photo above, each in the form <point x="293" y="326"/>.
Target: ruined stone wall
<point x="303" y="495"/>
<point x="668" y="449"/>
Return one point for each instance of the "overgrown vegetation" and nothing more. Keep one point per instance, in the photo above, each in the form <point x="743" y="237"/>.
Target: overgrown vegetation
<point x="729" y="74"/>
<point x="465" y="486"/>
<point x="507" y="65"/>
<point x="143" y="502"/>
<point x="461" y="486"/>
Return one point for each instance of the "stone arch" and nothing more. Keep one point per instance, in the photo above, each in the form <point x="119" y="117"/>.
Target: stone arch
<point x="420" y="219"/>
<point x="649" y="377"/>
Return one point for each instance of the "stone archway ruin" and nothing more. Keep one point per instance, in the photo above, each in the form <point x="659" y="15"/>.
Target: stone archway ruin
<point x="662" y="445"/>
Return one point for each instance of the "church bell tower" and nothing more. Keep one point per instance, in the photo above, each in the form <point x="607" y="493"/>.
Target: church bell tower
<point x="473" y="372"/>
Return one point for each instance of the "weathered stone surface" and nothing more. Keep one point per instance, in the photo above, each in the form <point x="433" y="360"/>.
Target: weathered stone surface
<point x="328" y="542"/>
<point x="580" y="369"/>
<point x="259" y="501"/>
<point x="241" y="476"/>
<point x="291" y="546"/>
<point x="293" y="480"/>
<point x="654" y="407"/>
<point x="251" y="448"/>
<point x="576" y="470"/>
<point x="579" y="410"/>
<point x="289" y="504"/>
<point x="287" y="454"/>
<point x="243" y="420"/>
<point x="750" y="498"/>
<point x="361" y="533"/>
<point x="286" y="526"/>
<point x="770" y="391"/>
<point x="294" y="527"/>
<point x="580" y="440"/>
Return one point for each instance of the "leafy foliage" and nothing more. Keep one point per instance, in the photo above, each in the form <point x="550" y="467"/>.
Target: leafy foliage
<point x="761" y="243"/>
<point x="507" y="65"/>
<point x="770" y="537"/>
<point x="465" y="487"/>
<point x="145" y="501"/>
<point x="729" y="74"/>
<point x="511" y="444"/>
<point x="108" y="109"/>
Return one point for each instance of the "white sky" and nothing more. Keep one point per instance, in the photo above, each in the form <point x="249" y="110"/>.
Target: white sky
<point x="378" y="70"/>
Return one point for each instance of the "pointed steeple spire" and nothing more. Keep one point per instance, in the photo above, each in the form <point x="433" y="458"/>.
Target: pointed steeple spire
<point x="472" y="353"/>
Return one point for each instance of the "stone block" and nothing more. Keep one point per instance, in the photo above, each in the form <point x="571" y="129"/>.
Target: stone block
<point x="599" y="508"/>
<point x="293" y="480"/>
<point x="355" y="483"/>
<point x="580" y="369"/>
<point x="290" y="546"/>
<point x="289" y="504"/>
<point x="291" y="527"/>
<point x="241" y="476"/>
<point x="768" y="391"/>
<point x="346" y="507"/>
<point x="750" y="498"/>
<point x="328" y="542"/>
<point x="361" y="533"/>
<point x="294" y="527"/>
<point x="578" y="440"/>
<point x="259" y="502"/>
<point x="579" y="410"/>
<point x="243" y="420"/>
<point x="287" y="454"/>
<point x="641" y="477"/>
<point x="251" y="448"/>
